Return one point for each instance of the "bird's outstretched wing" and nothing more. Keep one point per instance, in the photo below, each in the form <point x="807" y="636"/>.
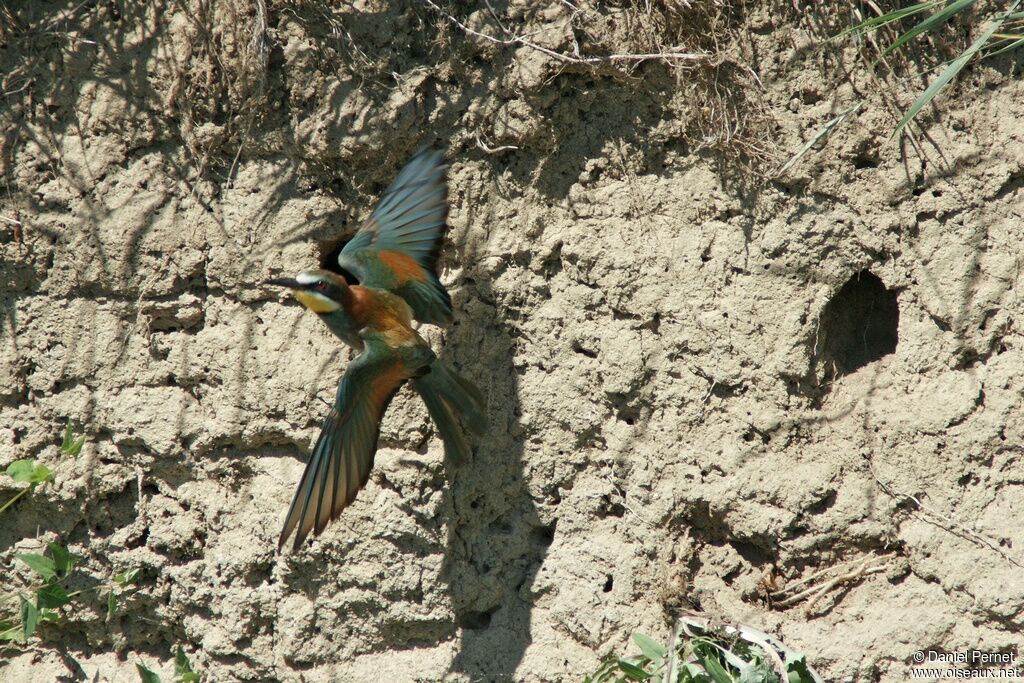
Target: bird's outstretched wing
<point x="396" y="248"/>
<point x="340" y="463"/>
<point x="410" y="216"/>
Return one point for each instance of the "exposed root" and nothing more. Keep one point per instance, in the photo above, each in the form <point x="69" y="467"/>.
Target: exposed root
<point x="822" y="582"/>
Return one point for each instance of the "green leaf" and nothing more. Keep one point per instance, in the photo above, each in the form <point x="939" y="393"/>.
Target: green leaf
<point x="714" y="667"/>
<point x="730" y="656"/>
<point x="651" y="649"/>
<point x="111" y="605"/>
<point x="29" y="619"/>
<point x="603" y="673"/>
<point x="796" y="670"/>
<point x="29" y="471"/>
<point x="41" y="474"/>
<point x="9" y="629"/>
<point x="40" y="564"/>
<point x="755" y="674"/>
<point x="52" y="596"/>
<point x="696" y="672"/>
<point x="47" y="615"/>
<point x="632" y="671"/>
<point x="687" y="676"/>
<point x="147" y="676"/>
<point x="183" y="669"/>
<point x="128" y="577"/>
<point x="63" y="560"/>
<point x="21" y="470"/>
<point x="952" y="70"/>
<point x="71" y="444"/>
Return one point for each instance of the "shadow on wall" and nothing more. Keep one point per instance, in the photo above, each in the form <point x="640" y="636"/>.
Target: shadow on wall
<point x="496" y="541"/>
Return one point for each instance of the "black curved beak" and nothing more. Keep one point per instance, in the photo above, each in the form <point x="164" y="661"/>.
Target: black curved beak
<point x="289" y="282"/>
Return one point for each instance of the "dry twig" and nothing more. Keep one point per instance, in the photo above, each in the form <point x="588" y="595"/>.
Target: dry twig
<point x="512" y="38"/>
<point x="493" y="150"/>
<point x="949" y="524"/>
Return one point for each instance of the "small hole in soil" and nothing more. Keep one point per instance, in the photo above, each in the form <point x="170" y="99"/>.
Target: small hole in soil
<point x="545" y="535"/>
<point x="865" y="161"/>
<point x="477" y="620"/>
<point x="859" y="325"/>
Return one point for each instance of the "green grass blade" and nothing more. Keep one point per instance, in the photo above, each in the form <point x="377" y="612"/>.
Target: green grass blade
<point x="111" y="605"/>
<point x="878" y="22"/>
<point x="69" y="437"/>
<point x="823" y="133"/>
<point x="71" y="445"/>
<point x="1012" y="46"/>
<point x="929" y="23"/>
<point x="17" y="495"/>
<point x="952" y="70"/>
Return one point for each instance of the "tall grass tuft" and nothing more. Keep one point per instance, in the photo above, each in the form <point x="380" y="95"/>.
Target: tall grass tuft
<point x="1003" y="32"/>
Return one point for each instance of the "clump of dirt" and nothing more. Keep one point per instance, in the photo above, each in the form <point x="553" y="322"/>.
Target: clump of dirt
<point x="707" y="381"/>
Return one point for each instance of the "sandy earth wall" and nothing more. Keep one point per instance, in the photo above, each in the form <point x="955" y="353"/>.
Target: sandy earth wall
<point x="702" y="382"/>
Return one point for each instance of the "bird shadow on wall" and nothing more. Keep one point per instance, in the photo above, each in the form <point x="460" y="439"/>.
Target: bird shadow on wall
<point x="496" y="541"/>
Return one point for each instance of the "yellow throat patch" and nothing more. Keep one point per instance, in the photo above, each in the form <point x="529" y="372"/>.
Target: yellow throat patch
<point x="316" y="302"/>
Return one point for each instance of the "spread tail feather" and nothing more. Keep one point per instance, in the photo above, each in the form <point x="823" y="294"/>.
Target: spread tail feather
<point x="455" y="446"/>
<point x="451" y="399"/>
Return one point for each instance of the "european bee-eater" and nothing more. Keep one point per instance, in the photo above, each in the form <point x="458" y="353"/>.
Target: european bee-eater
<point x="392" y="352"/>
<point x="393" y="258"/>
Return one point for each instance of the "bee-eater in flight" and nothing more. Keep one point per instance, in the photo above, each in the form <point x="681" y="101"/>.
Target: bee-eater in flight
<point x="392" y="256"/>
